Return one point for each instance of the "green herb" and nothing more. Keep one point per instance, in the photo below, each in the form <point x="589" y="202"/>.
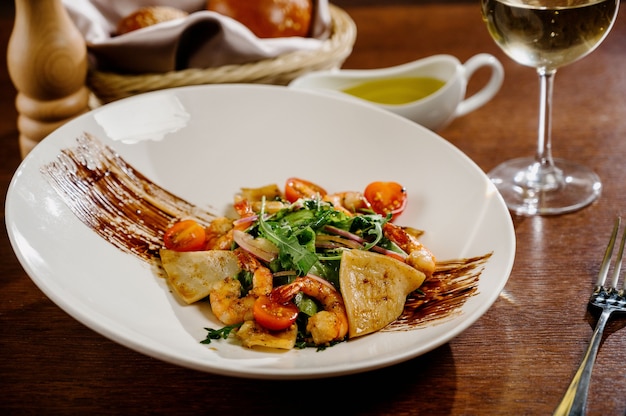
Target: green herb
<point x="292" y="255"/>
<point x="370" y="228"/>
<point x="245" y="277"/>
<point x="306" y="304"/>
<point x="222" y="333"/>
<point x="293" y="231"/>
<point x="329" y="270"/>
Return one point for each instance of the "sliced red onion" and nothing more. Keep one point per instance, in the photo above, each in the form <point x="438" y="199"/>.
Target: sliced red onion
<point x="246" y="220"/>
<point x="344" y="233"/>
<point x="258" y="247"/>
<point x="332" y="241"/>
<point x="390" y="253"/>
<point x="356" y="238"/>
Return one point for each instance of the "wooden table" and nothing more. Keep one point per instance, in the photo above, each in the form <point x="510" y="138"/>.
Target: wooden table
<point x="517" y="359"/>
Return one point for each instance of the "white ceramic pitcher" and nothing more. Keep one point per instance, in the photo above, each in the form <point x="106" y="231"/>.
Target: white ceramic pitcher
<point x="434" y="111"/>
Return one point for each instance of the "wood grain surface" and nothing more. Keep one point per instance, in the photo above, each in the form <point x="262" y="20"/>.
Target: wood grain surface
<point x="517" y="359"/>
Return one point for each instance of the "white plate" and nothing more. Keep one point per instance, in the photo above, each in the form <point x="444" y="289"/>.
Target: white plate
<point x="213" y="140"/>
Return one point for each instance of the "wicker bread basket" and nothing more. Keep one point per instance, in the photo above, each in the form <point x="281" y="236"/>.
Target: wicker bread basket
<point x="108" y="86"/>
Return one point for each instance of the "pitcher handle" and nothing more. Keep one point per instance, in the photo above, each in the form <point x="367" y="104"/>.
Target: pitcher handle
<point x="490" y="89"/>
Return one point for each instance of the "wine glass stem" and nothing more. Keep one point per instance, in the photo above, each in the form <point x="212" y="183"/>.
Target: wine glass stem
<point x="543" y="175"/>
<point x="544" y="142"/>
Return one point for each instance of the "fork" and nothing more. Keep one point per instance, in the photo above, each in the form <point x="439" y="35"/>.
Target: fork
<point x="609" y="300"/>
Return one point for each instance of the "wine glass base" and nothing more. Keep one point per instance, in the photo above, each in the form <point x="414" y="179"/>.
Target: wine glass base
<point x="528" y="189"/>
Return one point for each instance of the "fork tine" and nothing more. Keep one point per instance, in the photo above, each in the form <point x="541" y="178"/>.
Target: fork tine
<point x="618" y="263"/>
<point x="604" y="267"/>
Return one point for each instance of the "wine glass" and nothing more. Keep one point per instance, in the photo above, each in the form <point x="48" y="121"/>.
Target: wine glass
<point x="546" y="35"/>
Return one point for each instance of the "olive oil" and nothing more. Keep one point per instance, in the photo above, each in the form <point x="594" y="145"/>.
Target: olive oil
<point x="395" y="91"/>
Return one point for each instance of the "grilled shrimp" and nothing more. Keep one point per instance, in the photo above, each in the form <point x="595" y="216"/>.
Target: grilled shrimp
<point x="325" y="326"/>
<point x="419" y="256"/>
<point x="219" y="234"/>
<point x="348" y="202"/>
<point x="227" y="303"/>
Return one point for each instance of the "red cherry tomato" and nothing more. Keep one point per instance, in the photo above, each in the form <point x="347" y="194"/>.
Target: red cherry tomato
<point x="386" y="197"/>
<point x="299" y="188"/>
<point x="186" y="235"/>
<point x="268" y="18"/>
<point x="273" y="315"/>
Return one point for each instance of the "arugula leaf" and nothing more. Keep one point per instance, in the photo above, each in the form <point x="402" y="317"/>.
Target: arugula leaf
<point x="291" y="252"/>
<point x="290" y="231"/>
<point x="370" y="227"/>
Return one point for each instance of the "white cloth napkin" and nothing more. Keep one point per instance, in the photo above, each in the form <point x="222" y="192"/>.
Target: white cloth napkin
<point x="204" y="39"/>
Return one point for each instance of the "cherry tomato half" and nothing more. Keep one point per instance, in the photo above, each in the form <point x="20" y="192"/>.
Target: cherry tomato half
<point x="186" y="235"/>
<point x="386" y="197"/>
<point x="273" y="315"/>
<point x="299" y="188"/>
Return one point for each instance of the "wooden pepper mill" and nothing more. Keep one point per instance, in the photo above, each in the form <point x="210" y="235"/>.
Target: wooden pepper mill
<point x="47" y="62"/>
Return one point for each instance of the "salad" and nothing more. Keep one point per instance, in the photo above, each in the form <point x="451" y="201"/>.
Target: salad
<point x="300" y="267"/>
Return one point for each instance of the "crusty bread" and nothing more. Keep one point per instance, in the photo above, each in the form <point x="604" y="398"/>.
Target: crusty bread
<point x="148" y="16"/>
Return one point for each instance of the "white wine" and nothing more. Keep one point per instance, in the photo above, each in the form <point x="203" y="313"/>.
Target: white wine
<point x="548" y="35"/>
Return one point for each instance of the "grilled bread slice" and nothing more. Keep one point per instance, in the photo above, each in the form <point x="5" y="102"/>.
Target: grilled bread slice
<point x="192" y="274"/>
<point x="374" y="289"/>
